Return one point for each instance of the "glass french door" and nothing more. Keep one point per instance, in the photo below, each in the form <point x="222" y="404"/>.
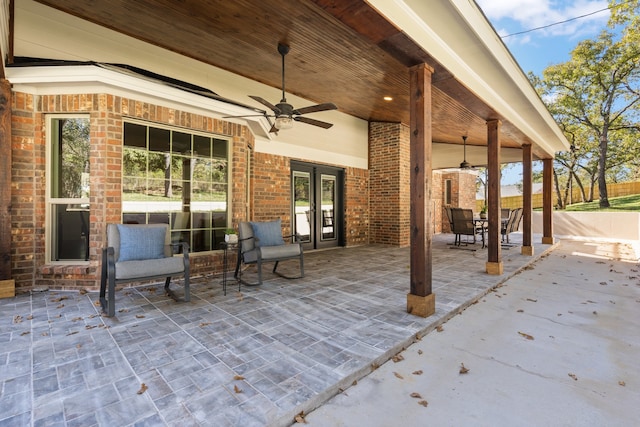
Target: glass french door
<point x="317" y="204"/>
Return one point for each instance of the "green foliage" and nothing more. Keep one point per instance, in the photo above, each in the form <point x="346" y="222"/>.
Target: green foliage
<point x="595" y="98"/>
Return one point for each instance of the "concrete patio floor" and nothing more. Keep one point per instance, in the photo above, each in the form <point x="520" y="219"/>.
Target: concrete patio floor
<point x="556" y="345"/>
<point x="258" y="357"/>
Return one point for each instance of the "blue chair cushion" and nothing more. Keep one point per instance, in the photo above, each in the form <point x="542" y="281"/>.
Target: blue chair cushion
<point x="268" y="233"/>
<point x="140" y="243"/>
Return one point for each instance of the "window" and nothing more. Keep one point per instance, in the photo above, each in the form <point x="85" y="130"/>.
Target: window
<point x="447" y="192"/>
<point x="68" y="189"/>
<point x="179" y="178"/>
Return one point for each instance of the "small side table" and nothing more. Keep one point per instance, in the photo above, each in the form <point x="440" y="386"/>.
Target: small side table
<point x="227" y="247"/>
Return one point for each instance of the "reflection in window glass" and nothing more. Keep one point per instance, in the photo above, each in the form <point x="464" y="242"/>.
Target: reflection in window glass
<point x="182" y="180"/>
<point x="69" y="189"/>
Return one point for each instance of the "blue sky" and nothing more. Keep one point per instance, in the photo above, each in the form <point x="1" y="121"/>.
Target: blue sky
<point x="538" y="49"/>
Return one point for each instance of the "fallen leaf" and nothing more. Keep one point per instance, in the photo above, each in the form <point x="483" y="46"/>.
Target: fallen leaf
<point x="59" y="299"/>
<point x="203" y="324"/>
<point x="463" y="369"/>
<point x="82" y="291"/>
<point x="398" y="375"/>
<point x="139" y="316"/>
<point x="374" y="366"/>
<point x="17" y="319"/>
<point x="439" y="328"/>
<point x="60" y="306"/>
<point x="236" y="389"/>
<point x="418" y="337"/>
<point x="25" y="333"/>
<point x="300" y="418"/>
<point x="30" y="317"/>
<point x="574" y="376"/>
<point x="355" y="382"/>
<point x="622" y="383"/>
<point x="417" y="372"/>
<point x="595" y="312"/>
<point x="532" y="300"/>
<point x="423" y="403"/>
<point x="420" y="351"/>
<point x="397" y="358"/>
<point x="527" y="336"/>
<point x="603" y="283"/>
<point x="76" y="319"/>
<point x="520" y="311"/>
<point x="416" y="395"/>
<point x="238" y="377"/>
<point x="143" y="388"/>
<point x="72" y="333"/>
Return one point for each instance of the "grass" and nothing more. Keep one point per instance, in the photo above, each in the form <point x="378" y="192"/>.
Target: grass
<point x="618" y="204"/>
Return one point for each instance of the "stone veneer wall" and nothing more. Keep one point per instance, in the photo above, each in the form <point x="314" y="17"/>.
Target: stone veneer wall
<point x="28" y="179"/>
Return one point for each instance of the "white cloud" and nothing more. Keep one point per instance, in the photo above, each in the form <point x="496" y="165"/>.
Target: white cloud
<point x="529" y="14"/>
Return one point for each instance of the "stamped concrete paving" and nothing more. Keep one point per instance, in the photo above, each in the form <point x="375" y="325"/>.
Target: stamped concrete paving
<point x="258" y="357"/>
<point x="557" y="345"/>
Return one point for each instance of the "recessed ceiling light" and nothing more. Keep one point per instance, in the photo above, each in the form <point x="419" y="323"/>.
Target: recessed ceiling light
<point x="388" y="98"/>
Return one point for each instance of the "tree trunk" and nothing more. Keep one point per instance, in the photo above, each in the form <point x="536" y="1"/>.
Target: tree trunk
<point x="581" y="187"/>
<point x="555" y="180"/>
<point x="602" y="163"/>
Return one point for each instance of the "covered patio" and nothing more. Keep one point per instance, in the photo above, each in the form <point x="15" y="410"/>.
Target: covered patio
<point x="253" y="358"/>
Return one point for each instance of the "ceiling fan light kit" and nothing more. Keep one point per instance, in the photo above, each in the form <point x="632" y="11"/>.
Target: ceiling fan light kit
<point x="465" y="164"/>
<point x="283" y="122"/>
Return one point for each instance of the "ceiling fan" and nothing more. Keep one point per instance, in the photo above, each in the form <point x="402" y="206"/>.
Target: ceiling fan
<point x="284" y="113"/>
<point x="465" y="164"/>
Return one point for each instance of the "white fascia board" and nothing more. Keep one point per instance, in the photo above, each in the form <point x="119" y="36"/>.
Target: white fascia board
<point x="457" y="35"/>
<point x="56" y="80"/>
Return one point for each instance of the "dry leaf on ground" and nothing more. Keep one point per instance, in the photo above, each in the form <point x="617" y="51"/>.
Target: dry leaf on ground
<point x="236" y="389"/>
<point x="439" y="328"/>
<point x="143" y="388"/>
<point x="463" y="369"/>
<point x="238" y="377"/>
<point x="419" y="351"/>
<point x="416" y="395"/>
<point x="574" y="376"/>
<point x="397" y="358"/>
<point x="622" y="383"/>
<point x="417" y="372"/>
<point x="423" y="403"/>
<point x="300" y="418"/>
<point x="527" y="336"/>
<point x="398" y="375"/>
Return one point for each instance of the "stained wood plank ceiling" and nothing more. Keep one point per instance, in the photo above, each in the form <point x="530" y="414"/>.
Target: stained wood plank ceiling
<point x="341" y="51"/>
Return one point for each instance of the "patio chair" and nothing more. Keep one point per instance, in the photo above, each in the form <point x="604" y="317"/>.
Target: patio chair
<point x="261" y="242"/>
<point x="512" y="225"/>
<point x="140" y="252"/>
<point x="463" y="225"/>
<point x="447" y="211"/>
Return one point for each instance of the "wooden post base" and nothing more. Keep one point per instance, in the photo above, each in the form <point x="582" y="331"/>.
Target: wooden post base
<point x="527" y="250"/>
<point x="495" y="268"/>
<point x="7" y="288"/>
<point x="548" y="241"/>
<point x="421" y="306"/>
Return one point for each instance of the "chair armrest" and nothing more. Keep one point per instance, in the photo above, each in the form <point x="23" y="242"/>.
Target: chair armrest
<point x="175" y="248"/>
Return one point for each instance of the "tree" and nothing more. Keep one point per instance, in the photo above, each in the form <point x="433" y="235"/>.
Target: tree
<point x="596" y="94"/>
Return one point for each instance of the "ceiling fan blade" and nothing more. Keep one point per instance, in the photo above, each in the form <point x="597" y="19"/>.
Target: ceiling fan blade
<point x="314" y="108"/>
<point x="266" y="103"/>
<point x="313" y="122"/>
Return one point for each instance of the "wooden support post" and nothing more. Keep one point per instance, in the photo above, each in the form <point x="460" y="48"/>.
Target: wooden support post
<point x="527" y="191"/>
<point x="547" y="204"/>
<point x="5" y="181"/>
<point x="494" y="249"/>
<point x="420" y="300"/>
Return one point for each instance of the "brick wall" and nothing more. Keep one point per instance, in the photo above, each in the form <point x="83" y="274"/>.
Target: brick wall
<point x="389" y="183"/>
<point x="106" y="114"/>
<point x="357" y="210"/>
